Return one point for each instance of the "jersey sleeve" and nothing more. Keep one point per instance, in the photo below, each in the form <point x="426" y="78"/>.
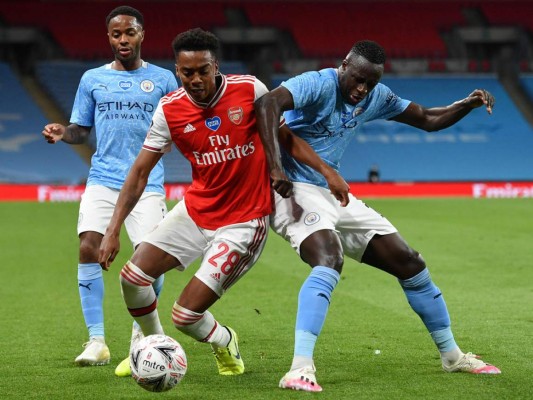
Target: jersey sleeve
<point x="309" y="88"/>
<point x="84" y="104"/>
<point x="391" y="104"/>
<point x="260" y="89"/>
<point x="158" y="138"/>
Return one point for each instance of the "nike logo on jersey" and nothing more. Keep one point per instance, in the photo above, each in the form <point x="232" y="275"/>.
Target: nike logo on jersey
<point x="189" y="128"/>
<point x="88" y="286"/>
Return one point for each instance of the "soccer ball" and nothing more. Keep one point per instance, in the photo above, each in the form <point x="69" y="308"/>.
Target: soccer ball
<point x="158" y="363"/>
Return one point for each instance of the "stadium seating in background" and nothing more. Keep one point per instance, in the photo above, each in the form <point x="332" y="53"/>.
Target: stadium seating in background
<point x="416" y="36"/>
<point x="25" y="156"/>
<point x="480" y="147"/>
<point x="329" y="29"/>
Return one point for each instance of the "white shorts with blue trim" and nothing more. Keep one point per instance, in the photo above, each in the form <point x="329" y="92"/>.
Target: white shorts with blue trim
<point x="313" y="208"/>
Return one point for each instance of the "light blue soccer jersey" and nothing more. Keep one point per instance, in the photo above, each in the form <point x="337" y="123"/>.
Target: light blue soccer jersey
<point x="120" y="105"/>
<point x="323" y="119"/>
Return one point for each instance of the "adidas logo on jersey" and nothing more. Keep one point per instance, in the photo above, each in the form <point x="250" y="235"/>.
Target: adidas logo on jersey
<point x="189" y="128"/>
<point x="216" y="276"/>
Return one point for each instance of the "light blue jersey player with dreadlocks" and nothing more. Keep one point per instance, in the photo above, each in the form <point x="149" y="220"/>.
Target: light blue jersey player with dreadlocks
<point x="118" y="99"/>
<point x="326" y="108"/>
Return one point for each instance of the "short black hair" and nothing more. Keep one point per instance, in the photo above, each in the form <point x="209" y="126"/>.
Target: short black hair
<point x="370" y="50"/>
<point x="196" y="40"/>
<point x="125" y="10"/>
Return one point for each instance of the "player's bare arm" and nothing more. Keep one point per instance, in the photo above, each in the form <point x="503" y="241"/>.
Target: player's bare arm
<point x="129" y="196"/>
<point x="304" y="153"/>
<point x="72" y="134"/>
<point x="268" y="113"/>
<point x="437" y="118"/>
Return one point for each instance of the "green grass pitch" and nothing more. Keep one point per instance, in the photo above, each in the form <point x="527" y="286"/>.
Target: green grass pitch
<point x="480" y="254"/>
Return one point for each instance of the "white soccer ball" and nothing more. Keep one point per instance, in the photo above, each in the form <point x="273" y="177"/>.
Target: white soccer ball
<point x="158" y="363"/>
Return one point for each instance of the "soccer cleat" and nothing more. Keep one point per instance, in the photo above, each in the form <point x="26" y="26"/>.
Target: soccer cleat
<point x="229" y="361"/>
<point x="301" y="379"/>
<point x="96" y="353"/>
<point x="471" y="363"/>
<point x="123" y="369"/>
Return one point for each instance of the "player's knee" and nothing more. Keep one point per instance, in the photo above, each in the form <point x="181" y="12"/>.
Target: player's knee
<point x="332" y="258"/>
<point x="335" y="261"/>
<point x="413" y="263"/>
<point x="88" y="251"/>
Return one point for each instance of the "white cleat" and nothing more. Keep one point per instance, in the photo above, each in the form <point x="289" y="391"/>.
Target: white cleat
<point x="96" y="353"/>
<point x="301" y="379"/>
<point x="472" y="364"/>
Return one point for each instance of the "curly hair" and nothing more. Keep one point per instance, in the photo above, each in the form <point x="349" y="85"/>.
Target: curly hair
<point x="370" y="50"/>
<point x="125" y="10"/>
<point x="196" y="40"/>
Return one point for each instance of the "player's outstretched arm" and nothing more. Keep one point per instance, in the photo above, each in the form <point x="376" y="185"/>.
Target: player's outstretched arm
<point x="129" y="196"/>
<point x="72" y="134"/>
<point x="437" y="118"/>
<point x="304" y="153"/>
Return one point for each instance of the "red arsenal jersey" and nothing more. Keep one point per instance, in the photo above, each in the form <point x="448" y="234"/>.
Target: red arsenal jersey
<point x="230" y="179"/>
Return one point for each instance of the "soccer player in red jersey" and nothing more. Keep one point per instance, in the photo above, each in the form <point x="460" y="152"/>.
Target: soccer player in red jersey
<point x="224" y="217"/>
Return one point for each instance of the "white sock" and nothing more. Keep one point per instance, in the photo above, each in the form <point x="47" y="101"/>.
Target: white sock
<point x="301" y="362"/>
<point x="200" y="326"/>
<point x="140" y="298"/>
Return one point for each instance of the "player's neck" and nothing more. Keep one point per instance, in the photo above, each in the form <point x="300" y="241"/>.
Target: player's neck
<point x="122" y="66"/>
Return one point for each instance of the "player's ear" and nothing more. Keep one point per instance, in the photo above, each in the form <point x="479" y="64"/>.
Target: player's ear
<point x="142" y="35"/>
<point x="216" y="67"/>
<point x="344" y="64"/>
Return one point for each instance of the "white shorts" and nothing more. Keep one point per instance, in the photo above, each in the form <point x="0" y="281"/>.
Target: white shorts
<point x="313" y="208"/>
<point x="98" y="203"/>
<point x="228" y="252"/>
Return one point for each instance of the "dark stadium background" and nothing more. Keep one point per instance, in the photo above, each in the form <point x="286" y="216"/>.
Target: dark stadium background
<point x="438" y="52"/>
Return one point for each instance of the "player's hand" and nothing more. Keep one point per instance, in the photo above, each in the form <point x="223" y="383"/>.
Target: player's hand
<point x="109" y="249"/>
<point x="53" y="133"/>
<point x="481" y="97"/>
<point x="338" y="186"/>
<point x="280" y="183"/>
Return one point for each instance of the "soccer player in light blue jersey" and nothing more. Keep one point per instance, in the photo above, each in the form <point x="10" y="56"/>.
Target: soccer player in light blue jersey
<point x="118" y="100"/>
<point x="323" y="222"/>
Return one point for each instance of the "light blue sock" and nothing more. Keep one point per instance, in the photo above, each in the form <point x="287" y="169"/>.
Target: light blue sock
<point x="426" y="300"/>
<point x="158" y="285"/>
<point x="313" y="304"/>
<point x="91" y="288"/>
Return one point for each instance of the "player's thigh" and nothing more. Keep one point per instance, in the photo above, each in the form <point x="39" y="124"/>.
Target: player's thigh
<point x="147" y="213"/>
<point x="357" y="225"/>
<point x="96" y="208"/>
<point x="308" y="210"/>
<point x="232" y="251"/>
<point x="179" y="236"/>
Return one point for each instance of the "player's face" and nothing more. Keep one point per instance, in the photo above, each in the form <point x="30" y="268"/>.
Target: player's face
<point x="357" y="78"/>
<point x="125" y="37"/>
<point x="197" y="71"/>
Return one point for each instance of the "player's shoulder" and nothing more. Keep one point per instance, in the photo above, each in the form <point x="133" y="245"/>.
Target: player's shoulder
<point x="99" y="70"/>
<point x="234" y="79"/>
<point x="173" y="97"/>
<point x="157" y="68"/>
